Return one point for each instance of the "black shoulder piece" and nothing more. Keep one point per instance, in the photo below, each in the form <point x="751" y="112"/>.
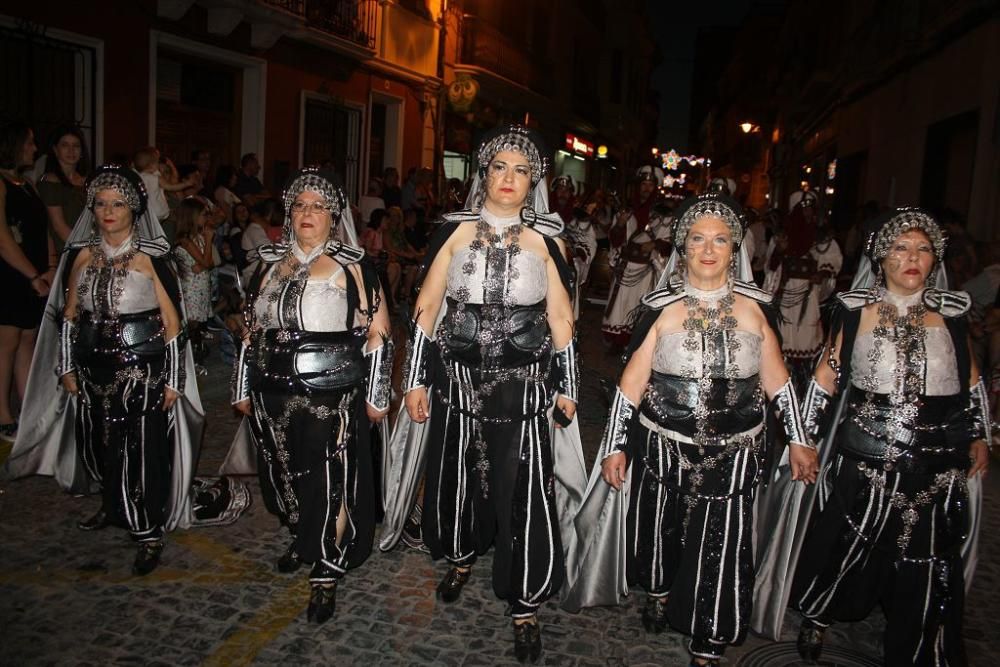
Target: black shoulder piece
<point x="157" y="247"/>
<point x="465" y="215"/>
<point x="567" y="272"/>
<point x="437" y="242"/>
<point x="167" y="274"/>
<point x="346" y="254"/>
<point x="856" y="299"/>
<point x="947" y="303"/>
<point x="751" y="291"/>
<point x="644" y="322"/>
<point x="71" y="254"/>
<point x="659" y="299"/>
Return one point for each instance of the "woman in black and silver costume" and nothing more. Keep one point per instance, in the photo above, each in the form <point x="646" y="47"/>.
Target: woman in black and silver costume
<point x="122" y="355"/>
<point x="313" y="369"/>
<point x="492" y="362"/>
<point x="689" y="416"/>
<point x="909" y="431"/>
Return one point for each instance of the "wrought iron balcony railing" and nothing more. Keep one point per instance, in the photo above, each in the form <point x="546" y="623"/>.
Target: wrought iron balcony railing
<point x="485" y="46"/>
<point x="353" y="20"/>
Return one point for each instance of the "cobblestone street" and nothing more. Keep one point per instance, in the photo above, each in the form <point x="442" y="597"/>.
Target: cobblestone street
<point x="67" y="597"/>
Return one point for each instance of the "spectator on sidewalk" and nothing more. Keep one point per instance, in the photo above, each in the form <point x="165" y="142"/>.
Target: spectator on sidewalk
<point x="391" y="193"/>
<point x="370" y="201"/>
<point x="62" y="187"/>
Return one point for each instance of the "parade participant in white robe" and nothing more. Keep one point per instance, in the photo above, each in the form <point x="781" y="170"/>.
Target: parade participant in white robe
<point x="801" y="272"/>
<point x="640" y="245"/>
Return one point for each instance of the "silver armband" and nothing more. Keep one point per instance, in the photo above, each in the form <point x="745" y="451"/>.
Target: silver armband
<point x="566" y="372"/>
<point x="817" y="402"/>
<point x="67" y="362"/>
<point x="791" y="418"/>
<point x="379" y="372"/>
<point x="240" y="383"/>
<point x="174" y="363"/>
<point x="416" y="372"/>
<point x="979" y="409"/>
<point x="619" y="420"/>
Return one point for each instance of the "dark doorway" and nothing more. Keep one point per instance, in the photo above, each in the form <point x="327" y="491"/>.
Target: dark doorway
<point x="949" y="162"/>
<point x="198" y="107"/>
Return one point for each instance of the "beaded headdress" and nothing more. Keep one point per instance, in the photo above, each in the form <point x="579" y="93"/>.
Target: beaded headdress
<point x="900" y="221"/>
<point x="122" y="180"/>
<point x="713" y="205"/>
<point x="515" y="138"/>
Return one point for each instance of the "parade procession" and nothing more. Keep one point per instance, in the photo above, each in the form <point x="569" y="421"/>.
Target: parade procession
<point x="560" y="393"/>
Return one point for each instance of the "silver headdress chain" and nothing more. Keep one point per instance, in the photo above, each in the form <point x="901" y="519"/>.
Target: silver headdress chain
<point x="516" y="139"/>
<point x="905" y="220"/>
<point x="704" y="209"/>
<point x="118" y="183"/>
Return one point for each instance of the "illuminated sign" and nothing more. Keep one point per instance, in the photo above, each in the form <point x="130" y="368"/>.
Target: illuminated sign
<point x="575" y="144"/>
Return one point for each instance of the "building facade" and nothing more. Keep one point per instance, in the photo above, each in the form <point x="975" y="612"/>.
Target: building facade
<point x="897" y="103"/>
<point x="352" y="82"/>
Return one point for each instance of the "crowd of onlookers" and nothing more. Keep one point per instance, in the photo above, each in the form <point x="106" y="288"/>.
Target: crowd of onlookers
<point x="216" y="215"/>
<point x="213" y="215"/>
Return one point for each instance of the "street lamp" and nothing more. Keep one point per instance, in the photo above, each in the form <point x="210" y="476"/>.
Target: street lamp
<point x="749" y="127"/>
<point x="656" y="151"/>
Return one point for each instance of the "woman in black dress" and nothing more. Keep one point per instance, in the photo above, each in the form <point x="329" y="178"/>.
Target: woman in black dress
<point x="27" y="262"/>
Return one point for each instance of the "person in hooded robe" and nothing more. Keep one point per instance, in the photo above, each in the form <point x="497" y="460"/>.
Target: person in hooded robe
<point x="640" y="244"/>
<point x="125" y="417"/>
<point x="312" y="371"/>
<point x="801" y="267"/>
<point x="904" y="415"/>
<point x="491" y="369"/>
<point x="670" y="505"/>
<point x="579" y="233"/>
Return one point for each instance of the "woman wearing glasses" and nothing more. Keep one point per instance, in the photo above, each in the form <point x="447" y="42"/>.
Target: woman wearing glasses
<point x="314" y="367"/>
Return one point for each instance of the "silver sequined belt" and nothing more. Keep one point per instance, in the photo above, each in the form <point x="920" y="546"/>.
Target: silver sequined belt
<point x="687" y="440"/>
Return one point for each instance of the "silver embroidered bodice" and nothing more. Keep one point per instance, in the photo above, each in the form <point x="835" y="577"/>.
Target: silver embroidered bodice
<point x="138" y="295"/>
<point x="313" y="305"/>
<point x="940" y="374"/>
<point x="671" y="357"/>
<point x="138" y="292"/>
<point x="523" y="277"/>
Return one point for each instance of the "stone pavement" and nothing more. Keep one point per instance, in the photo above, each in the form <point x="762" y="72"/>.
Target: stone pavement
<point x="67" y="597"/>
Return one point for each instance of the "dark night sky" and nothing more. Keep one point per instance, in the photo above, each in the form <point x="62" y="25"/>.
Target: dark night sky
<point x="675" y="25"/>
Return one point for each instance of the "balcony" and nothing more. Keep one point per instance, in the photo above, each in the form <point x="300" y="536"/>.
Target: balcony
<point x="485" y="47"/>
<point x="352" y="20"/>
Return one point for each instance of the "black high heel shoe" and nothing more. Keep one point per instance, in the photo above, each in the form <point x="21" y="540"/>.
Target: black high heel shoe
<point x="322" y="603"/>
<point x="654" y="614"/>
<point x="527" y="642"/>
<point x="451" y="586"/>
<point x="96" y="522"/>
<point x="147" y="558"/>
<point x="289" y="561"/>
<point x="810" y="641"/>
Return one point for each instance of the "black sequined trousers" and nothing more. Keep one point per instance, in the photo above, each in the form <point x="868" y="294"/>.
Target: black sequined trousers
<point x="691" y="539"/>
<point x="490" y="480"/>
<point x="126" y="441"/>
<point x="314" y="461"/>
<point x="851" y="561"/>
